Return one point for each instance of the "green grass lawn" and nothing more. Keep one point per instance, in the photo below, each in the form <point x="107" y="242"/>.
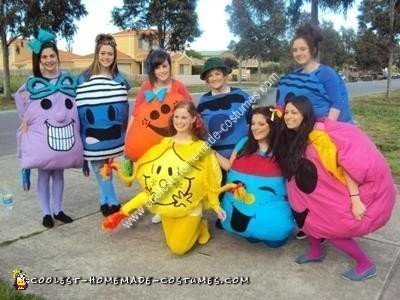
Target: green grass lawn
<point x="380" y="119"/>
<point x="7" y="292"/>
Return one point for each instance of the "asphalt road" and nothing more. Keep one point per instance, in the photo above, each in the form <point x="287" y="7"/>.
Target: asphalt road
<point x="9" y="122"/>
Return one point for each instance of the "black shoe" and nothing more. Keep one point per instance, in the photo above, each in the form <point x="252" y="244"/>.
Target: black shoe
<point x="48" y="221"/>
<point x="105" y="210"/>
<point x="113" y="209"/>
<point x="218" y="224"/>
<point x="301" y="235"/>
<point x="63" y="217"/>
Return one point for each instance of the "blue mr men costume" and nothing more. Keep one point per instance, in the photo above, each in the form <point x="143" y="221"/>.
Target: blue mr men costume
<point x="323" y="87"/>
<point x="103" y="112"/>
<point x="267" y="217"/>
<point x="226" y="114"/>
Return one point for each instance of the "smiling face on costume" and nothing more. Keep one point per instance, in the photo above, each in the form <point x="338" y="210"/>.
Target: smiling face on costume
<point x="53" y="120"/>
<point x="259" y="127"/>
<point x="268" y="217"/>
<point x="49" y="61"/>
<point x="171" y="182"/>
<point x="104" y="125"/>
<point x="301" y="52"/>
<point x="151" y="124"/>
<point x="293" y="117"/>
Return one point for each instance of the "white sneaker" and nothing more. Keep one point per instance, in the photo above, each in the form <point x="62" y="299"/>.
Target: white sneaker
<point x="156" y="219"/>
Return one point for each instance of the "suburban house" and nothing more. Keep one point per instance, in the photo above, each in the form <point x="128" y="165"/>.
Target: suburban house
<point x="131" y="56"/>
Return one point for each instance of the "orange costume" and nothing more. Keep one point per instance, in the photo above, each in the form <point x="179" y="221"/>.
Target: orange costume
<point x="150" y="118"/>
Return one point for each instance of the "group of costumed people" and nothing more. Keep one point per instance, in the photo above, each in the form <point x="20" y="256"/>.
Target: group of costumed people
<point x="269" y="169"/>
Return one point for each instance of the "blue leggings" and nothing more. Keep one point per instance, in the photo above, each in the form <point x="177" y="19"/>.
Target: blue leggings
<point x="107" y="193"/>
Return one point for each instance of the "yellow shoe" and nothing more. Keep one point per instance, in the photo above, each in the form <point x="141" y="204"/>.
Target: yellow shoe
<point x="204" y="233"/>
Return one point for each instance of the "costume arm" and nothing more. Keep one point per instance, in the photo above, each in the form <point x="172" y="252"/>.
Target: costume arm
<point x="21" y="98"/>
<point x="140" y="96"/>
<point x="213" y="179"/>
<point x="358" y="208"/>
<point x="183" y="91"/>
<point x="139" y="200"/>
<point x="122" y="79"/>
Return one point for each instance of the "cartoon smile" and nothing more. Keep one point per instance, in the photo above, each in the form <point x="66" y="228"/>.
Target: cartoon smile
<point x="239" y="221"/>
<point x="163" y="131"/>
<point x="179" y="197"/>
<point x="94" y="135"/>
<point x="60" y="138"/>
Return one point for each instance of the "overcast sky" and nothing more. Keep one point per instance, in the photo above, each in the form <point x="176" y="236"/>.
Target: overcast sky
<point x="212" y="21"/>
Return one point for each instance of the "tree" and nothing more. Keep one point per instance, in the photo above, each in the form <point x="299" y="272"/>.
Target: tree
<point x="338" y="6"/>
<point x="370" y="53"/>
<point x="19" y="18"/>
<point x="260" y="25"/>
<point x="348" y="38"/>
<point x="174" y="21"/>
<point x="331" y="48"/>
<point x="374" y="18"/>
<point x="193" y="53"/>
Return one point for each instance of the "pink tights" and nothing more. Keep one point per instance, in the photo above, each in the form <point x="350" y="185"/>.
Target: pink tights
<point x="348" y="246"/>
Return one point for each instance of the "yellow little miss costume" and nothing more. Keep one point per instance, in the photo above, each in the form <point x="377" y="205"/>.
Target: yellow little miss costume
<point x="178" y="181"/>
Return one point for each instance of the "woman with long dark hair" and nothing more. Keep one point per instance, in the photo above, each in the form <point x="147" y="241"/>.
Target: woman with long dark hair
<point x="339" y="185"/>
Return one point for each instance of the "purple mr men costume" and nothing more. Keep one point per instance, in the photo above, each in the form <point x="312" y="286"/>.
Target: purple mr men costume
<point x="48" y="138"/>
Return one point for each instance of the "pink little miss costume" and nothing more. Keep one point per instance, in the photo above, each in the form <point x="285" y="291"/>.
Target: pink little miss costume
<point x="318" y="193"/>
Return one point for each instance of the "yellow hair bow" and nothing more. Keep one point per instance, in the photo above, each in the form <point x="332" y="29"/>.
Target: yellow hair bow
<point x="274" y="112"/>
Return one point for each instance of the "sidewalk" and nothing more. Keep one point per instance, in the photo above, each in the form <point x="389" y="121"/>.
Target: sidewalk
<point x="83" y="249"/>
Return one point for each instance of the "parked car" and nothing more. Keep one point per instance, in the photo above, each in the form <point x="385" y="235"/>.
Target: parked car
<point x="396" y="76"/>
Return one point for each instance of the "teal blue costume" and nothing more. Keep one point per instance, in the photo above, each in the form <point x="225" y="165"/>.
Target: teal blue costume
<point x="268" y="217"/>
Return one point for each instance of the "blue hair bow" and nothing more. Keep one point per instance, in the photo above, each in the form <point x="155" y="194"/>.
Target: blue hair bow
<point x="149" y="95"/>
<point x="43" y="37"/>
<point x="40" y="88"/>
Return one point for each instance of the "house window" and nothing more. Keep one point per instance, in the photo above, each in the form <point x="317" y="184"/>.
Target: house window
<point x="183" y="69"/>
<point x="143" y="44"/>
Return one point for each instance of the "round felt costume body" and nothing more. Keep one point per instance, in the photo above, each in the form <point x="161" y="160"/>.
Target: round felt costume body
<point x="103" y="111"/>
<point x="267" y="217"/>
<point x="323" y="87"/>
<point x="48" y="138"/>
<point x="226" y="115"/>
<point x="151" y="118"/>
<point x="319" y="195"/>
<point x="178" y="181"/>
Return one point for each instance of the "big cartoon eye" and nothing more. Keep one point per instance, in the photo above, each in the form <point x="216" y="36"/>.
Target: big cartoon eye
<point x="68" y="103"/>
<point x="89" y="116"/>
<point x="111" y="113"/>
<point x="154" y="115"/>
<point x="158" y="170"/>
<point x="307" y="176"/>
<point x="45" y="103"/>
<point x="170" y="171"/>
<point x="165" y="108"/>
